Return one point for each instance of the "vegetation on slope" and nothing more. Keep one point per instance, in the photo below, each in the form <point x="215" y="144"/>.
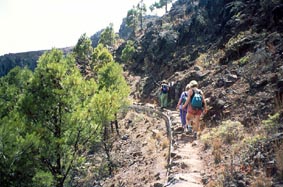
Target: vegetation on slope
<point x="51" y="117"/>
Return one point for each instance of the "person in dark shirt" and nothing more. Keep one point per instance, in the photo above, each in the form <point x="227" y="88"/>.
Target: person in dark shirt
<point x="164" y="94"/>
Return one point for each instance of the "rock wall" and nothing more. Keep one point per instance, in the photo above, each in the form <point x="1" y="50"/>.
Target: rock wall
<point x="233" y="48"/>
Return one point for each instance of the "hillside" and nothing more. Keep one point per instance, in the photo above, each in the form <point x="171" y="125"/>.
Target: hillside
<point x="25" y="59"/>
<point x="234" y="49"/>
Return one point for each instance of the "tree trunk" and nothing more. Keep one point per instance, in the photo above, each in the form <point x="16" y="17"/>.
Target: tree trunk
<point x="108" y="157"/>
<point x="59" y="183"/>
<point x="57" y="134"/>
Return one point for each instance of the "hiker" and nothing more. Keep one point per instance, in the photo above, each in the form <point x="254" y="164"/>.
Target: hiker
<point x="178" y="90"/>
<point x="181" y="102"/>
<point x="196" y="106"/>
<point x="164" y="94"/>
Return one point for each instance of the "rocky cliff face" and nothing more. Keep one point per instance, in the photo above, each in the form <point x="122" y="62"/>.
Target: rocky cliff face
<point x="125" y="32"/>
<point x="233" y="48"/>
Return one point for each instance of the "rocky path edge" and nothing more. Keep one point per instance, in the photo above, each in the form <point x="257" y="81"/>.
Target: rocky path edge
<point x="186" y="162"/>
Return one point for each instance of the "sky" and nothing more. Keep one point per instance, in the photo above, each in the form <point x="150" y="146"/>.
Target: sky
<point x="31" y="25"/>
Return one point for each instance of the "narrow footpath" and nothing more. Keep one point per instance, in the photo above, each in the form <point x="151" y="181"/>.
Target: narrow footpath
<point x="186" y="161"/>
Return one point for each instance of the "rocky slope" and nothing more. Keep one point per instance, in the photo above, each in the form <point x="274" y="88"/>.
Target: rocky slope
<point x="232" y="48"/>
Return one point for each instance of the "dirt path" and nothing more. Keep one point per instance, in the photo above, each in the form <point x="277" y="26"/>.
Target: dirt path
<point x="186" y="164"/>
<point x="142" y="158"/>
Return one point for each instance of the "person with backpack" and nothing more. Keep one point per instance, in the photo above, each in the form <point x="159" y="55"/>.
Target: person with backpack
<point x="181" y="102"/>
<point x="164" y="94"/>
<point x="196" y="106"/>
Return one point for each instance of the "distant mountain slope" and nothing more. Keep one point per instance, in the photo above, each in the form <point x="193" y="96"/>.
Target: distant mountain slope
<point x="29" y="59"/>
<point x="25" y="59"/>
<point x="11" y="60"/>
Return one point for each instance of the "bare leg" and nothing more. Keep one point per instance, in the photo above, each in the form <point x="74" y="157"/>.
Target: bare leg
<point x="196" y="124"/>
<point x="189" y="118"/>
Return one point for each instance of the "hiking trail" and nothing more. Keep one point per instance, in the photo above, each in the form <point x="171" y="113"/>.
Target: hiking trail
<point x="187" y="164"/>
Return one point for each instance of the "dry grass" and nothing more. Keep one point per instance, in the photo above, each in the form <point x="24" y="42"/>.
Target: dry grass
<point x="215" y="184"/>
<point x="164" y="143"/>
<point x="161" y="139"/>
<point x="158" y="136"/>
<point x="278" y="103"/>
<point x="218" y="182"/>
<point x="217" y="144"/>
<point x="202" y="60"/>
<point x="151" y="145"/>
<point x="279" y="161"/>
<point x="229" y="132"/>
<point x="262" y="181"/>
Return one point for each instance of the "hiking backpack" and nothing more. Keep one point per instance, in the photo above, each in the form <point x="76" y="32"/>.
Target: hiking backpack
<point x="197" y="100"/>
<point x="164" y="89"/>
<point x="184" y="98"/>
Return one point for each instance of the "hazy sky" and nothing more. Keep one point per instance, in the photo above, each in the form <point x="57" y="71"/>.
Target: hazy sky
<point x="31" y="25"/>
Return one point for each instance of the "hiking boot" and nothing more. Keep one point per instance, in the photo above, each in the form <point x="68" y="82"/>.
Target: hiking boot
<point x="195" y="135"/>
<point x="185" y="129"/>
<point x="189" y="128"/>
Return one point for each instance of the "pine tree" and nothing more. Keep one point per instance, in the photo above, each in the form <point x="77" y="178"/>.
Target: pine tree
<point x="17" y="146"/>
<point x="132" y="19"/>
<point x="128" y="51"/>
<point x="141" y="8"/>
<point x="49" y="118"/>
<point x="58" y="110"/>
<point x="108" y="37"/>
<point x="135" y="16"/>
<point x="100" y="57"/>
<point x="83" y="54"/>
<point x="161" y="4"/>
<point x="112" y="96"/>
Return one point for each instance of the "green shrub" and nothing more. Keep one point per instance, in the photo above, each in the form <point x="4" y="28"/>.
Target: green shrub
<point x="251" y="140"/>
<point x="228" y="132"/>
<point x="271" y="124"/>
<point x="201" y="20"/>
<point x="43" y="179"/>
<point x="244" y="60"/>
<point x="167" y="26"/>
<point x="128" y="51"/>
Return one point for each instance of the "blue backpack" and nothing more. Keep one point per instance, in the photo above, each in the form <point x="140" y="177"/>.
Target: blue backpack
<point x="197" y="100"/>
<point x="164" y="89"/>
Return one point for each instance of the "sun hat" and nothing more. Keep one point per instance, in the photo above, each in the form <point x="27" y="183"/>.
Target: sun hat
<point x="188" y="86"/>
<point x="193" y="83"/>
